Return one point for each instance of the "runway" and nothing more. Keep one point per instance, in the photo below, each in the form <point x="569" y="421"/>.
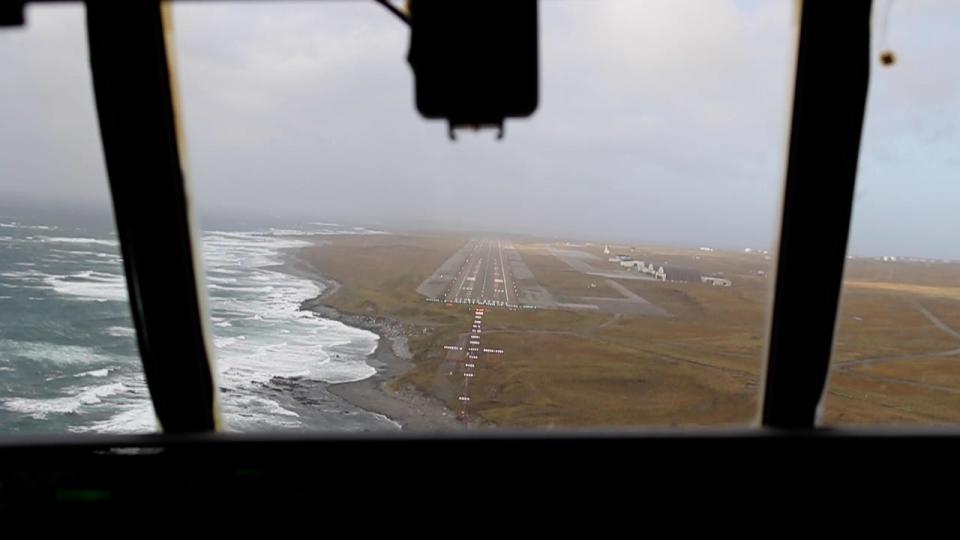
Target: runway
<point x="490" y="272"/>
<point x="483" y="277"/>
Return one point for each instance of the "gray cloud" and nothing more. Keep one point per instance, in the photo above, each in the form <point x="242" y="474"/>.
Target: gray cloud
<point x="659" y="122"/>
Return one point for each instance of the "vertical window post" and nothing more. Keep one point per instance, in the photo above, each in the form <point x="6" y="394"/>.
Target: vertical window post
<point x="138" y="126"/>
<point x="833" y="65"/>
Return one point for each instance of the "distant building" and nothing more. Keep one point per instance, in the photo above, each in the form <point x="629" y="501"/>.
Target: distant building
<point x="678" y="273"/>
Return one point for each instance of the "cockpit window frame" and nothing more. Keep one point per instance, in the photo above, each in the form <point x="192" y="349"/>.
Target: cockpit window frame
<point x="136" y="103"/>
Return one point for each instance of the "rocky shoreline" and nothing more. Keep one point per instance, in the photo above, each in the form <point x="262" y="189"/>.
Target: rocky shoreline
<point x="392" y="358"/>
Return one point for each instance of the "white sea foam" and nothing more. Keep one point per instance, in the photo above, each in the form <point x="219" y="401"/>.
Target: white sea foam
<point x="242" y="289"/>
<point x="324" y="231"/>
<point x="103" y="262"/>
<point x="81" y="252"/>
<point x="292" y="232"/>
<point x="53" y="353"/>
<point x="95" y="257"/>
<point x="15" y="225"/>
<point x="77" y="240"/>
<point x="259" y="334"/>
<point x="387" y="420"/>
<point x="26" y="275"/>
<point x="121" y="331"/>
<point x="269" y="404"/>
<point x="223" y="271"/>
<point x="93" y="395"/>
<point x="221" y="342"/>
<point x="40" y="408"/>
<point x="254" y="413"/>
<point x="90" y="285"/>
<point x="135" y="418"/>
<point x="84" y="285"/>
<point x="94" y="373"/>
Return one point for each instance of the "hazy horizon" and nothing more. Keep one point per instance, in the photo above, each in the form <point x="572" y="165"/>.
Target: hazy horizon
<point x="663" y="123"/>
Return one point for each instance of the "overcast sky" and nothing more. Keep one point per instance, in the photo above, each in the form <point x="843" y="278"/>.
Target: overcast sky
<point x="659" y="122"/>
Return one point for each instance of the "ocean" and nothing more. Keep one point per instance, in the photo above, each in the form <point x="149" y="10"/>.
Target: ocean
<point x="68" y="353"/>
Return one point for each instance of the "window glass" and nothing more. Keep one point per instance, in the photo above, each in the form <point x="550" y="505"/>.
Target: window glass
<point x="364" y="272"/>
<point x="68" y="355"/>
<point x="898" y="331"/>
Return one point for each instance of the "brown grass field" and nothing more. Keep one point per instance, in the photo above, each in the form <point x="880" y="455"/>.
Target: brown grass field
<point x="702" y="366"/>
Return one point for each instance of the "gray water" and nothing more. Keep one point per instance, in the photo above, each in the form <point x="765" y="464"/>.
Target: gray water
<point x="68" y="354"/>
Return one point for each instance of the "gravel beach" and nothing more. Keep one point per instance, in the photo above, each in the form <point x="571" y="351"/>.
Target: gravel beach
<point x="391" y="359"/>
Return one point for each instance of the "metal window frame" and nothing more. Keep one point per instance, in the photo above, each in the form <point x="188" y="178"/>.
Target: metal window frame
<point x="136" y="107"/>
<point x="830" y="94"/>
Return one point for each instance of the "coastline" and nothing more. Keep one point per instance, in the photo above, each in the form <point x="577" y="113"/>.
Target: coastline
<point x="391" y="359"/>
